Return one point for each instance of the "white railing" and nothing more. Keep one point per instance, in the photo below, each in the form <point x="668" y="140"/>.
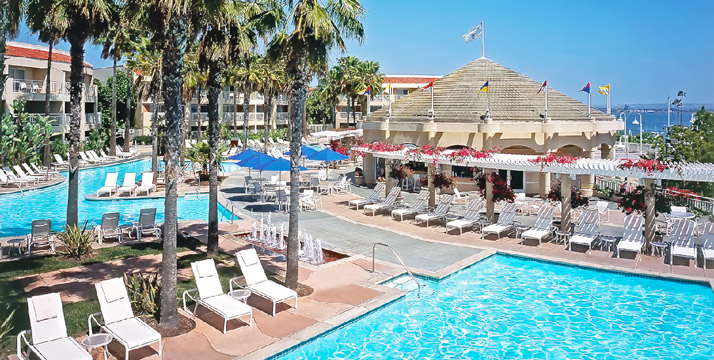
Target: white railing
<point x="21" y="86"/>
<point x="281" y="99"/>
<point x="385" y="97"/>
<point x="281" y="116"/>
<point x="58" y="120"/>
<point x="256" y="96"/>
<point x="256" y="116"/>
<point x="228" y="117"/>
<point x="348" y="115"/>
<point x="28" y="86"/>
<point x="319" y="127"/>
<point x="203" y="116"/>
<point x="92" y="118"/>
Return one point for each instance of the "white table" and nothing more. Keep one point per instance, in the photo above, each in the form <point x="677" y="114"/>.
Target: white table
<point x="15" y="244"/>
<point x="97" y="340"/>
<point x="240" y="294"/>
<point x="682" y="215"/>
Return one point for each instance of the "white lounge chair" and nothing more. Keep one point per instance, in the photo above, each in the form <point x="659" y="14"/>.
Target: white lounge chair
<point x="708" y="242"/>
<point x="93" y="155"/>
<point x="118" y="318"/>
<point x="683" y="240"/>
<point x="147" y="184"/>
<point x="108" y="157"/>
<point x="10" y="179"/>
<point x="46" y="171"/>
<point x="387" y="204"/>
<point x="32" y="173"/>
<point x="49" y="332"/>
<point x="472" y="215"/>
<point x="211" y="295"/>
<point x="442" y="209"/>
<point x="110" y="184"/>
<point x="109" y="228"/>
<point x="419" y="206"/>
<point x="588" y="229"/>
<point x="602" y="209"/>
<point x="632" y="238"/>
<point x="22" y="175"/>
<point x="59" y="161"/>
<point x="258" y="283"/>
<point x="543" y="226"/>
<point x="146" y="224"/>
<point x="86" y="158"/>
<point x="371" y="199"/>
<point x="504" y="222"/>
<point x="41" y="235"/>
<point x="129" y="184"/>
<point x="121" y="154"/>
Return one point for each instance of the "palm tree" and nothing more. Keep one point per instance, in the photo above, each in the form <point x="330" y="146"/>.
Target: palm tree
<point x="249" y="77"/>
<point x="680" y="103"/>
<point x="85" y="21"/>
<point x="314" y="29"/>
<point x="350" y="81"/>
<point x="11" y="11"/>
<point x="272" y="81"/>
<point x="371" y="77"/>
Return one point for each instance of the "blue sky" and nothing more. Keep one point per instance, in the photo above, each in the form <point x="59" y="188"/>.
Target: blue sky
<point x="645" y="49"/>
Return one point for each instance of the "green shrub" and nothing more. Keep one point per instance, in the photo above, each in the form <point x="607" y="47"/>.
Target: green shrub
<point x="144" y="292"/>
<point x="57" y="146"/>
<point x="142" y="139"/>
<point x="6" y="328"/>
<point x="77" y="241"/>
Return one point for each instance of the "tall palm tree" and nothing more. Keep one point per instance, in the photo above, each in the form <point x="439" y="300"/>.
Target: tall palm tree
<point x="85" y="20"/>
<point x="249" y="76"/>
<point x="314" y="28"/>
<point x="350" y="81"/>
<point x="272" y="81"/>
<point x="371" y="77"/>
<point x="11" y="12"/>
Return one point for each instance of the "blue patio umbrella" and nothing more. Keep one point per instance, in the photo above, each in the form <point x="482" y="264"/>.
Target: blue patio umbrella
<point x="255" y="161"/>
<point x="245" y="154"/>
<point x="278" y="165"/>
<point x="306" y="150"/>
<point x="327" y="155"/>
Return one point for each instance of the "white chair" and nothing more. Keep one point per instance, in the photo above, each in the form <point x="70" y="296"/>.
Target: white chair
<point x="118" y="318"/>
<point x="49" y="332"/>
<point x="211" y="296"/>
<point x="504" y="222"/>
<point x="282" y="199"/>
<point x="472" y="215"/>
<point x="708" y="242"/>
<point x="46" y="171"/>
<point x="110" y="184"/>
<point x="41" y="235"/>
<point x="11" y="179"/>
<point x="33" y="173"/>
<point x="86" y="158"/>
<point x="147" y="184"/>
<point x="146" y="224"/>
<point x="603" y="210"/>
<point x="128" y="185"/>
<point x="93" y="154"/>
<point x="442" y="209"/>
<point x="458" y="196"/>
<point x="632" y="238"/>
<point x="371" y="199"/>
<point x="109" y="228"/>
<point x="588" y="229"/>
<point x="109" y="157"/>
<point x="419" y="206"/>
<point x="22" y="175"/>
<point x="122" y="154"/>
<point x="387" y="204"/>
<point x="543" y="226"/>
<point x="59" y="161"/>
<point x="683" y="241"/>
<point x="258" y="283"/>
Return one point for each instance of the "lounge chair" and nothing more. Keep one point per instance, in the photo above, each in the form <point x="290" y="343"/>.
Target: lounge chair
<point x="371" y="199"/>
<point x="146" y="224"/>
<point x="602" y="209"/>
<point x="387" y="204"/>
<point x="109" y="228"/>
<point x="419" y="206"/>
<point x="147" y="184"/>
<point x="30" y="172"/>
<point x="632" y="238"/>
<point x="108" y="157"/>
<point x="442" y="209"/>
<point x="41" y="235"/>
<point x="130" y="152"/>
<point x="543" y="226"/>
<point x="282" y="199"/>
<point x="120" y="153"/>
<point x="48" y="172"/>
<point x="49" y="332"/>
<point x="258" y="283"/>
<point x="708" y="242"/>
<point x="588" y="229"/>
<point x="110" y="184"/>
<point x="472" y="215"/>
<point x="211" y="295"/>
<point x="683" y="240"/>
<point x="59" y="161"/>
<point x="10" y="179"/>
<point x="119" y="319"/>
<point x="504" y="222"/>
<point x="129" y="184"/>
<point x="86" y="158"/>
<point x="93" y="155"/>
<point x="22" y="175"/>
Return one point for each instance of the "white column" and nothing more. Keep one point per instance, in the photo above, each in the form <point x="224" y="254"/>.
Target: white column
<point x="565" y="187"/>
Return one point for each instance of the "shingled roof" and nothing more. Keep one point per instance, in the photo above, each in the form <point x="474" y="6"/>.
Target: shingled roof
<point x="512" y="98"/>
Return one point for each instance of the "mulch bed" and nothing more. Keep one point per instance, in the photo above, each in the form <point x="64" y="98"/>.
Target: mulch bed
<point x="186" y="325"/>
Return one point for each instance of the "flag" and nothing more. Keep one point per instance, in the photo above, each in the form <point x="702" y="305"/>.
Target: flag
<point x="484" y="88"/>
<point x="367" y="91"/>
<point x="605" y="89"/>
<point x="429" y="87"/>
<point x="473" y="34"/>
<point x="545" y="84"/>
<point x="586" y="88"/>
<point x="386" y="90"/>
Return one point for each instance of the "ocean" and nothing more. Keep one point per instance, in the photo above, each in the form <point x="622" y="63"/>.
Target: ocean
<point x="656" y="121"/>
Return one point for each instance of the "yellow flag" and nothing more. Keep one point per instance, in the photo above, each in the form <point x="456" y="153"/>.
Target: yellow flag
<point x="605" y="89"/>
<point x="386" y="90"/>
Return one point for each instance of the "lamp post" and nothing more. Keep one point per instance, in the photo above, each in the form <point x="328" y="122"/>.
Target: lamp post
<point x="640" y="123"/>
<point x="627" y="147"/>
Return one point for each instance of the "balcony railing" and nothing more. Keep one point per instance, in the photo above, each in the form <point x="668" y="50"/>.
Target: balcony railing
<point x="385" y="98"/>
<point x="348" y="115"/>
<point x="281" y="116"/>
<point x="20" y="86"/>
<point x="59" y="121"/>
<point x="92" y="118"/>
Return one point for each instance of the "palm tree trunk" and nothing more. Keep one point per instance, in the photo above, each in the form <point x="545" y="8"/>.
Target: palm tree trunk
<point x="46" y="160"/>
<point x="127" y="125"/>
<point x="187" y="129"/>
<point x="246" y="111"/>
<point x="175" y="44"/>
<point x="298" y="93"/>
<point x="155" y="94"/>
<point x="333" y="113"/>
<point x="354" y="113"/>
<point x="3" y="40"/>
<point x="235" y="109"/>
<point x="198" y="115"/>
<point x="267" y="103"/>
<point x="214" y="87"/>
<point x="113" y="125"/>
<point x="76" y="79"/>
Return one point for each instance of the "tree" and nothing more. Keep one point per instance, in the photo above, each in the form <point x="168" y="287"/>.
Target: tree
<point x="249" y="77"/>
<point x="119" y="87"/>
<point x="679" y="103"/>
<point x="318" y="106"/>
<point x="271" y="82"/>
<point x="85" y="20"/>
<point x="315" y="28"/>
<point x="11" y="11"/>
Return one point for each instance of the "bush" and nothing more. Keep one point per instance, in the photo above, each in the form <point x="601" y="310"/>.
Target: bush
<point x="142" y="139"/>
<point x="77" y="241"/>
<point x="576" y="199"/>
<point x="501" y="190"/>
<point x="634" y="201"/>
<point x="58" y="146"/>
<point x="6" y="328"/>
<point x="144" y="292"/>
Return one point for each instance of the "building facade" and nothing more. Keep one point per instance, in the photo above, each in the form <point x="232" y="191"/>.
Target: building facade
<point x="26" y="70"/>
<point x="511" y="116"/>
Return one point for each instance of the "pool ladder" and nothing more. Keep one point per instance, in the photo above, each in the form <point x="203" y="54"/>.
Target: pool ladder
<point x="400" y="261"/>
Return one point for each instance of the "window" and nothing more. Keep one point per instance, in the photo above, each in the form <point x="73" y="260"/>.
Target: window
<point x="16" y="73"/>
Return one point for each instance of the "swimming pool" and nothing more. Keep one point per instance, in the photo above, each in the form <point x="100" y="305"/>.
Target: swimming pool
<point x="507" y="307"/>
<point x="17" y="210"/>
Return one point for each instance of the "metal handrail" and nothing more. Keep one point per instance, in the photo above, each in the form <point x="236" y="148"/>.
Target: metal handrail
<point x="400" y="261"/>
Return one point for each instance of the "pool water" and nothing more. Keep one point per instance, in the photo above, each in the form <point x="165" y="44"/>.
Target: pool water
<point x="17" y="210"/>
<point x="507" y="307"/>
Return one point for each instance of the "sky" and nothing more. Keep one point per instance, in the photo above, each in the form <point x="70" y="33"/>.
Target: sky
<point x="646" y="50"/>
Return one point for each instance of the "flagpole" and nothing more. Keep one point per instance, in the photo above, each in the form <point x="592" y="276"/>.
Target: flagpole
<point x="390" y="100"/>
<point x="589" y="91"/>
<point x="546" y="102"/>
<point x="483" y="40"/>
<point x="369" y="112"/>
<point x="609" y="104"/>
<point x="432" y="101"/>
<point x="488" y="99"/>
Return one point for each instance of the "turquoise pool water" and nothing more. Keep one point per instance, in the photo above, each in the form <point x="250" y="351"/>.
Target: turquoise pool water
<point x="17" y="211"/>
<point x="512" y="308"/>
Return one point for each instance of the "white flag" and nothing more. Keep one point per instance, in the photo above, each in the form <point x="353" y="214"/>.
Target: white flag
<point x="473" y="34"/>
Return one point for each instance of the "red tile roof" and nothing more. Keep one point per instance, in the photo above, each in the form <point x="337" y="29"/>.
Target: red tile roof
<point x="31" y="53"/>
<point x="409" y="79"/>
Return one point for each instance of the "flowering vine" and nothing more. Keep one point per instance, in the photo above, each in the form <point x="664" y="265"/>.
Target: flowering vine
<point x="550" y="159"/>
<point x="650" y="166"/>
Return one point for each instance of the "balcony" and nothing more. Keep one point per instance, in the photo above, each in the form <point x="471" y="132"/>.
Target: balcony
<point x="34" y="90"/>
<point x="281" y="118"/>
<point x="59" y="121"/>
<point x="92" y="119"/>
<point x="348" y="116"/>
